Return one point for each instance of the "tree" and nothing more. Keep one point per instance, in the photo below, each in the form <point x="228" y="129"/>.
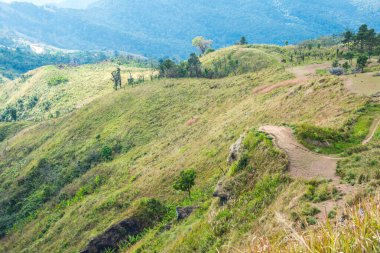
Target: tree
<point x="201" y="43"/>
<point x="286" y="43"/>
<point x="349" y="56"/>
<point x="348" y="37"/>
<point x="335" y="64"/>
<point x="346" y="66"/>
<point x="371" y="40"/>
<point x="169" y="69"/>
<point x="194" y="66"/>
<point x="116" y="78"/>
<point x="9" y="114"/>
<point x="131" y="80"/>
<point x="362" y="35"/>
<point x="362" y="62"/>
<point x="185" y="181"/>
<point x="243" y="41"/>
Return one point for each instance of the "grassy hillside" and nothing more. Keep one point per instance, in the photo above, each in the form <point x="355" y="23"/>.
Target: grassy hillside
<point x="110" y="154"/>
<point x="242" y="59"/>
<point x="53" y="91"/>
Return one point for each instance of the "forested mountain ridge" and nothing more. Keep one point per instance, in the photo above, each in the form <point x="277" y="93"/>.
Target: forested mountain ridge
<point x="160" y="28"/>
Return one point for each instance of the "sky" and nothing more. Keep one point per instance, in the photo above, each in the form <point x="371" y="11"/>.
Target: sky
<point x="76" y="4"/>
<point x="39" y="2"/>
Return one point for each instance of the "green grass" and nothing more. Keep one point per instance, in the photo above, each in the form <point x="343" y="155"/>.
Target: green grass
<point x="51" y="92"/>
<point x="250" y="193"/>
<point x="319" y="191"/>
<point x="322" y="72"/>
<point x="8" y="130"/>
<point x="136" y="141"/>
<point x="238" y="60"/>
<point x="57" y="80"/>
<point x="343" y="140"/>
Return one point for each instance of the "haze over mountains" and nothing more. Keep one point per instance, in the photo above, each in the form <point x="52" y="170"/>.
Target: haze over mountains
<point x="160" y="28"/>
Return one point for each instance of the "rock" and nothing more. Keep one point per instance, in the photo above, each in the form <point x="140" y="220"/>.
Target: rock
<point x="113" y="235"/>
<point x="318" y="143"/>
<point x="184" y="212"/>
<point x="338" y="71"/>
<point x="147" y="214"/>
<point x="235" y="150"/>
<point x="220" y="193"/>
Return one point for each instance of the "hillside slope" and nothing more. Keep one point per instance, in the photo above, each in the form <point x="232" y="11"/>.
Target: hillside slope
<point x="54" y="91"/>
<point x="66" y="180"/>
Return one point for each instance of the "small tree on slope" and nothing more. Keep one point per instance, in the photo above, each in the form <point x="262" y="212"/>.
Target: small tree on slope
<point x="185" y="181"/>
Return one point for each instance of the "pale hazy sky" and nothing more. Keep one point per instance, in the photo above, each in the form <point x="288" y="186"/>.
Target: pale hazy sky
<point x="34" y="1"/>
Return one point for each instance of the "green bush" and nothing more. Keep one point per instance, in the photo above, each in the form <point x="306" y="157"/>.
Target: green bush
<point x="332" y="214"/>
<point x="57" y="80"/>
<point x="322" y="135"/>
<point x="318" y="191"/>
<point x="309" y="210"/>
<point x="106" y="153"/>
<point x="311" y="220"/>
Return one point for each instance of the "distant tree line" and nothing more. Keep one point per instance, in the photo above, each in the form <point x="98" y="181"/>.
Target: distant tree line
<point x="192" y="68"/>
<point x="15" y="62"/>
<point x="360" y="45"/>
<point x="365" y="40"/>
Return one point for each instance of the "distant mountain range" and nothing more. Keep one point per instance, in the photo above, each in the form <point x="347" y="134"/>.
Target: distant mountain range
<point x="158" y="28"/>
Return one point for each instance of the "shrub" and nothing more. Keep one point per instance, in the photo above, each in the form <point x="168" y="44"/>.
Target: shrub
<point x="309" y="210"/>
<point x="32" y="102"/>
<point x="338" y="71"/>
<point x="106" y="153"/>
<point x="57" y="80"/>
<point x="332" y="214"/>
<point x="311" y="220"/>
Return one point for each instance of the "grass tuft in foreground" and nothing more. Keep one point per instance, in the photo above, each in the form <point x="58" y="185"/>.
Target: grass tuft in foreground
<point x="357" y="231"/>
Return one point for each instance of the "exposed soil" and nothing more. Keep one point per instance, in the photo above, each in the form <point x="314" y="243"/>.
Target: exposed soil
<point x="375" y="125"/>
<point x="308" y="70"/>
<point x="301" y="73"/>
<point x="303" y="163"/>
<point x="308" y="165"/>
<point x="363" y="84"/>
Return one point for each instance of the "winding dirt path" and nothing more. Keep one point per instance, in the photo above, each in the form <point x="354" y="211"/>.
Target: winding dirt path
<point x="375" y="125"/>
<point x="301" y="73"/>
<point x="303" y="163"/>
<point x="308" y="165"/>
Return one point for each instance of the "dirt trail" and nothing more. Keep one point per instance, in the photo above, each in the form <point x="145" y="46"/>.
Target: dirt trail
<point x="301" y="73"/>
<point x="305" y="164"/>
<point x="375" y="125"/>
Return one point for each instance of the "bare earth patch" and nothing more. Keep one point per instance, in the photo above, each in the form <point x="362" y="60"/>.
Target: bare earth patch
<point x="308" y="165"/>
<point x="372" y="131"/>
<point x="301" y="73"/>
<point x="308" y="70"/>
<point x="364" y="84"/>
